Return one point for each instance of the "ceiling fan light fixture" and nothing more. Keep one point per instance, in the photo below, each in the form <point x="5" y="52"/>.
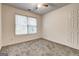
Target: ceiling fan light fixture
<point x="39" y="5"/>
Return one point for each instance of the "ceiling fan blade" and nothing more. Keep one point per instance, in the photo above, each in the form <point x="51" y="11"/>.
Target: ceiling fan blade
<point x="45" y="5"/>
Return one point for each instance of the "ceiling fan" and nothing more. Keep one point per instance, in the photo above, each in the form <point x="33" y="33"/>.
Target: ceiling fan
<point x="39" y="6"/>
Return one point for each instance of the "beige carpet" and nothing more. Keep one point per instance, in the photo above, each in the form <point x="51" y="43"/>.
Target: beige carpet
<point x="39" y="47"/>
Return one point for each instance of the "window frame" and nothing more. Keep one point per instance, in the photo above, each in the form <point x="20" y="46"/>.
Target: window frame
<point x="27" y="25"/>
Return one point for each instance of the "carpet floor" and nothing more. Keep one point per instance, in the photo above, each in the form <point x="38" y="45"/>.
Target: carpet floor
<point x="39" y="47"/>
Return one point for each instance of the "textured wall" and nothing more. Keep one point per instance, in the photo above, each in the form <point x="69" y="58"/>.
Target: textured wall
<point x="39" y="47"/>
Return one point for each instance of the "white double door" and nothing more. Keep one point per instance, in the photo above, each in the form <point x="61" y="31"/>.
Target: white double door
<point x="72" y="32"/>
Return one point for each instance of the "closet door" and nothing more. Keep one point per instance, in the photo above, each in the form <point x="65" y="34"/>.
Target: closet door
<point x="0" y="27"/>
<point x="77" y="29"/>
<point x="70" y="26"/>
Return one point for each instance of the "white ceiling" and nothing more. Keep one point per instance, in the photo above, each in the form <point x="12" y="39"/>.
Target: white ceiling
<point x="42" y="11"/>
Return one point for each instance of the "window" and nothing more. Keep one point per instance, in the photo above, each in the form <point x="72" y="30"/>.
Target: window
<point x="32" y="25"/>
<point x="21" y="24"/>
<point x="25" y="25"/>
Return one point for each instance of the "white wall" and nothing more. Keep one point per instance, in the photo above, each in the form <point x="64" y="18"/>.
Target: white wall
<point x="0" y="27"/>
<point x="8" y="26"/>
<point x="62" y="25"/>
